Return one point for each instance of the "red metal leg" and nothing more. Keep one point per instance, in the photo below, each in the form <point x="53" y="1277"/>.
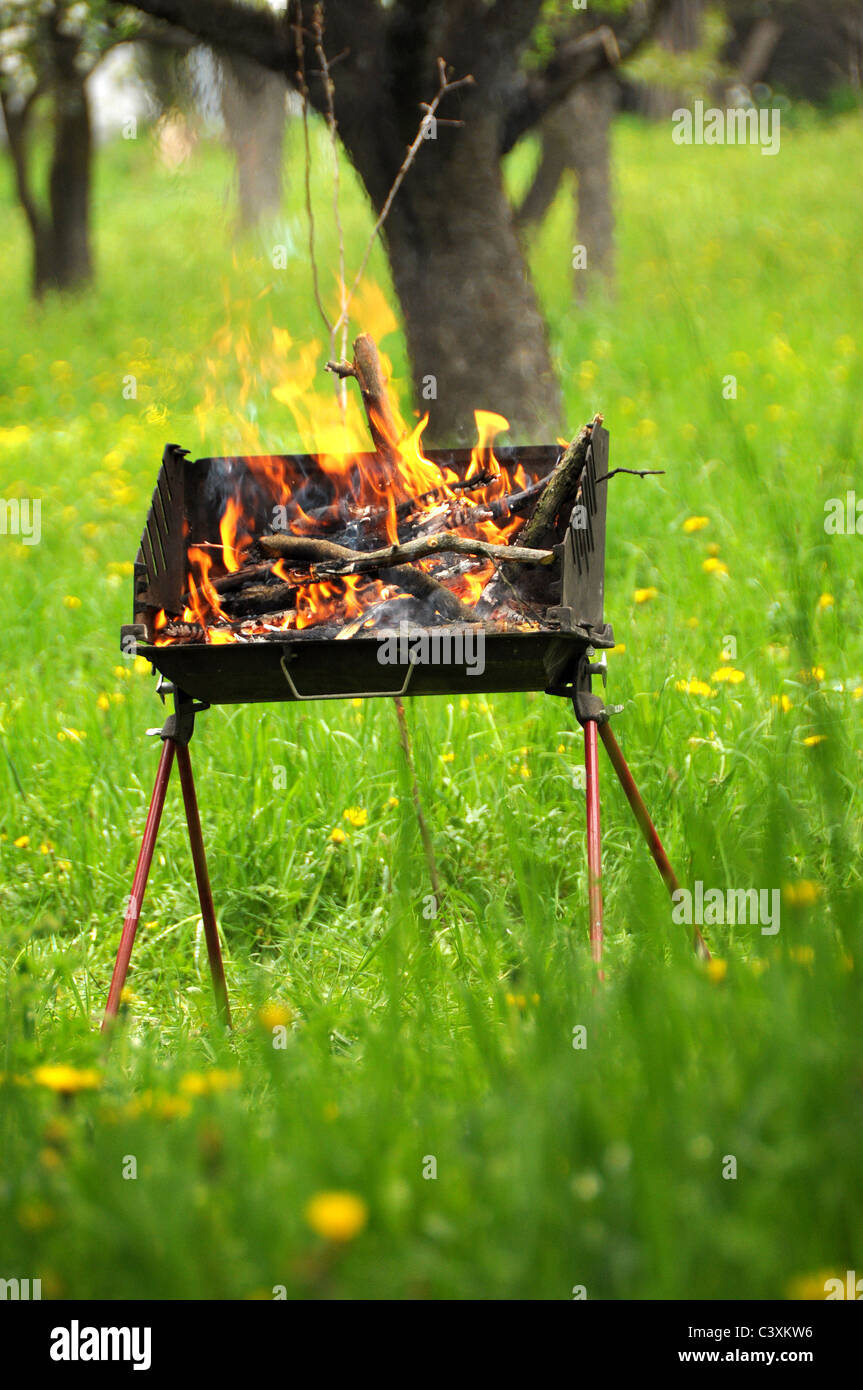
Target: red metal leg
<point x="205" y="896"/>
<point x="594" y="842"/>
<point x="139" y="883"/>
<point x="648" y="829"/>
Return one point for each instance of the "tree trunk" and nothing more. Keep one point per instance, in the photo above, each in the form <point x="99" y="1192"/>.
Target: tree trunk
<point x="554" y="161"/>
<point x="576" y="135"/>
<point x="680" y="32"/>
<point x="69" y="183"/>
<point x="253" y="107"/>
<point x="475" y="336"/>
<point x="591" y="111"/>
<point x="59" y="231"/>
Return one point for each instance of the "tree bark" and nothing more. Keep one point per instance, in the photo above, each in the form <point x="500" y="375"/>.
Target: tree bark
<point x="475" y="335"/>
<point x="69" y="182"/>
<point x="576" y="136"/>
<point x="591" y="109"/>
<point x="253" y="107"/>
<point x="59" y="230"/>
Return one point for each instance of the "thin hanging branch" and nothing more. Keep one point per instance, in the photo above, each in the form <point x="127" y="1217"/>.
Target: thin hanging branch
<point x="302" y="87"/>
<point x="635" y="472"/>
<point x="332" y="126"/>
<point x="430" y="109"/>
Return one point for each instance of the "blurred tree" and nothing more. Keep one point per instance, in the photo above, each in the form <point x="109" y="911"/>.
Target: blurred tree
<point x="48" y="48"/>
<point x="576" y="139"/>
<point x="474" y="331"/>
<point x="807" y="48"/>
<point x="253" y="107"/>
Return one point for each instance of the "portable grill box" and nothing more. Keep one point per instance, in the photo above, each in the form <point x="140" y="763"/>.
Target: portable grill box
<point x="186" y="509"/>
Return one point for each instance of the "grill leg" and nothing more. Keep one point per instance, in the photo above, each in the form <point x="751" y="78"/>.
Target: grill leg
<point x="645" y="824"/>
<point x="594" y="842"/>
<point x="205" y="896"/>
<point x="139" y="883"/>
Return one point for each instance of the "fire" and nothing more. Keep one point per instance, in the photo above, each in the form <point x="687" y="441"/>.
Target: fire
<point x="351" y="488"/>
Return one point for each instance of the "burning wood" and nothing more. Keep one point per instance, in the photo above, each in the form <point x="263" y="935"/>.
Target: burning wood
<point x="461" y="546"/>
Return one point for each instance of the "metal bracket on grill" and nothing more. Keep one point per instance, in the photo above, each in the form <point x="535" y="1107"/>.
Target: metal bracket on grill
<point x="346" y="694"/>
<point x="180" y="725"/>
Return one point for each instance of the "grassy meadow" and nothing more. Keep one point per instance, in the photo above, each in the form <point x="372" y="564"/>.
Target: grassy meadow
<point x="183" y="1163"/>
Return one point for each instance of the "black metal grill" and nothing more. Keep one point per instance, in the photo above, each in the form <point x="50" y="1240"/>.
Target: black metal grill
<point x="187" y="506"/>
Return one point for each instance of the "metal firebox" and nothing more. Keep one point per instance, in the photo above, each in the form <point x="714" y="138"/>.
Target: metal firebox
<point x="186" y="509"/>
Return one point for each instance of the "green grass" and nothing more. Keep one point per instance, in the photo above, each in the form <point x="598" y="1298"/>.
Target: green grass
<point x="556" y="1166"/>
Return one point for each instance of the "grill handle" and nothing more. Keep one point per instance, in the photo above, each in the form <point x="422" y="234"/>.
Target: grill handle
<point x="348" y="694"/>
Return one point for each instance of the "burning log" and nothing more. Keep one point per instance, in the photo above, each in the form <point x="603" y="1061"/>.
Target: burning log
<point x="260" y="598"/>
<point x="368" y="373"/>
<point x="326" y="558"/>
<point x="550" y="519"/>
<point x="546" y="526"/>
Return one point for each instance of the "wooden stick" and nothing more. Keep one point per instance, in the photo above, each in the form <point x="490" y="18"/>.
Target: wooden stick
<point x="325" y="557"/>
<point x="560" y="490"/>
<point x="366" y="369"/>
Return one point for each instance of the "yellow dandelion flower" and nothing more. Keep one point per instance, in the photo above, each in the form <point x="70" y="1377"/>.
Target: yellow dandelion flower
<point x="141" y="666"/>
<point x="645" y="595"/>
<point x="464" y="704"/>
<point x="692" y="622"/>
<point x="811" y="740"/>
<point x="713" y="566"/>
<point x="209" y="1083"/>
<point x="729" y="674"/>
<point x="172" y="1107"/>
<point x="72" y="601"/>
<point x="356" y="816"/>
<point x="337" y="1216"/>
<point x="809" y="1288"/>
<point x="695" y="523"/>
<point x="525" y="771"/>
<point x="619" y="647"/>
<point x="447" y="757"/>
<point x="561" y="748"/>
<point x="782" y="702"/>
<point x="804" y="893"/>
<point x="717" y="970"/>
<point x="392" y="801"/>
<point x="67" y="1081"/>
<point x="103" y="702"/>
<point x="802" y="955"/>
<point x="22" y="842"/>
<point x="694" y="687"/>
<point x="825" y="601"/>
<point x="36" y="1215"/>
<point x="274" y="1015"/>
<point x="337" y="835"/>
